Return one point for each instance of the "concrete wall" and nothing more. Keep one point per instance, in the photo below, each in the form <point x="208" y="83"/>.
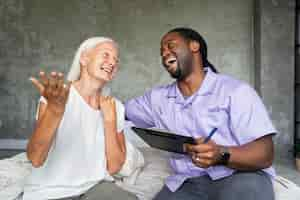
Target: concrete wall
<point x="274" y="61"/>
<point x="249" y="39"/>
<point x="38" y="35"/>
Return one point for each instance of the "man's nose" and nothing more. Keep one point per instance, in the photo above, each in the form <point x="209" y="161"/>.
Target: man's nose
<point x="165" y="53"/>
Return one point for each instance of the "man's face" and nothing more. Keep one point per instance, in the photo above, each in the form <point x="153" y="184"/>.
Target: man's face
<point x="176" y="55"/>
<point x="102" y="61"/>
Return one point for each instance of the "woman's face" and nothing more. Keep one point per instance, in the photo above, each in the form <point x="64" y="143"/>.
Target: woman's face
<point x="101" y="62"/>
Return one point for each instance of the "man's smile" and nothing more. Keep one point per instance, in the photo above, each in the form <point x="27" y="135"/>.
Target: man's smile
<point x="170" y="62"/>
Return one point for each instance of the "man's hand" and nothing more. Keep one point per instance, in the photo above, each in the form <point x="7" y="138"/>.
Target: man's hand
<point x="204" y="155"/>
<point x="108" y="107"/>
<point x="54" y="90"/>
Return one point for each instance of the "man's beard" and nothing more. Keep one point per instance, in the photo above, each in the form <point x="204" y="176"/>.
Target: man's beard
<point x="177" y="74"/>
<point x="182" y="70"/>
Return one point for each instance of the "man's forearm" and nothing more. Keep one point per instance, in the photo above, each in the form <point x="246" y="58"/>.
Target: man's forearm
<point x="252" y="156"/>
<point x="42" y="137"/>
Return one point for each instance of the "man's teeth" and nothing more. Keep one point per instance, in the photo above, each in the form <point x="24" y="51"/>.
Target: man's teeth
<point x="171" y="61"/>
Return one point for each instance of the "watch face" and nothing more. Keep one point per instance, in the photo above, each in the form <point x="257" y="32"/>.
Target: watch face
<point x="225" y="156"/>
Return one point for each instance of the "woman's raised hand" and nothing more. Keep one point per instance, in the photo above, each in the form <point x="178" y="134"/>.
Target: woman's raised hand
<point x="54" y="89"/>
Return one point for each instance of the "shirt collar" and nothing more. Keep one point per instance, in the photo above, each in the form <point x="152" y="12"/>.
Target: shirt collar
<point x="206" y="88"/>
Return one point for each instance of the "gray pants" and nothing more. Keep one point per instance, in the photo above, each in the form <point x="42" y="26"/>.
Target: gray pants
<point x="104" y="191"/>
<point x="241" y="185"/>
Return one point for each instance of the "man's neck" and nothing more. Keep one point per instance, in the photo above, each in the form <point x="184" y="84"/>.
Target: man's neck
<point x="192" y="83"/>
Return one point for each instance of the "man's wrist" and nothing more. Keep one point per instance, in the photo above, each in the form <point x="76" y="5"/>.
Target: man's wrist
<point x="224" y="155"/>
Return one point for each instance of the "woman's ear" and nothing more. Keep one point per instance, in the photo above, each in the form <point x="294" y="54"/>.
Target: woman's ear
<point x="84" y="59"/>
<point x="194" y="46"/>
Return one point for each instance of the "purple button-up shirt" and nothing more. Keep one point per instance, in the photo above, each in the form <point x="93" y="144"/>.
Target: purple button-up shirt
<point x="221" y="102"/>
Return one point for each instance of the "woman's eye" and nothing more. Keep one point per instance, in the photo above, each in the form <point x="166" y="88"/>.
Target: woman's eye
<point x="105" y="55"/>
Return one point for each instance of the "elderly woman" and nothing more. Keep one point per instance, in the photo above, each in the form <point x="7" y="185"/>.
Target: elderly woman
<point x="78" y="141"/>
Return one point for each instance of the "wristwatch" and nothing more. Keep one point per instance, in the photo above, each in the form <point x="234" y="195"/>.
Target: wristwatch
<point x="224" y="156"/>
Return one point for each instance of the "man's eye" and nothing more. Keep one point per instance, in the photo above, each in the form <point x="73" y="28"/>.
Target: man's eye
<point x="171" y="45"/>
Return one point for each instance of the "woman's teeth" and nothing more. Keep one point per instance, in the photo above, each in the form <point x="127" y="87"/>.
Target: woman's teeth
<point x="106" y="69"/>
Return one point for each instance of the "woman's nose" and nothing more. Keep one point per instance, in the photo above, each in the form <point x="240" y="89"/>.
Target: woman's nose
<point x="109" y="61"/>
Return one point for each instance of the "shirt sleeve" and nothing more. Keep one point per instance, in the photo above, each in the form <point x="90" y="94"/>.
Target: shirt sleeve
<point x="120" y="116"/>
<point x="42" y="100"/>
<point x="139" y="111"/>
<point x="249" y="119"/>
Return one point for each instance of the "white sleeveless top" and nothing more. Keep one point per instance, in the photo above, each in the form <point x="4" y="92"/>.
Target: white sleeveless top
<point x="76" y="160"/>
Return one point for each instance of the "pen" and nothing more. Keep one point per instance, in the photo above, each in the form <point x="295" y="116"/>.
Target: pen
<point x="212" y="132"/>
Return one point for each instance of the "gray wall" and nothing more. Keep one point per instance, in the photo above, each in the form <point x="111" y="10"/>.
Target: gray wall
<point x="38" y="35"/>
<point x="275" y="71"/>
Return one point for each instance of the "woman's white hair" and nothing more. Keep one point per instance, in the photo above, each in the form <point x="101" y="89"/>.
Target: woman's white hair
<point x="74" y="73"/>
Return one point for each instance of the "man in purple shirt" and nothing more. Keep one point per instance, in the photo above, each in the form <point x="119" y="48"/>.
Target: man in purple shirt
<point x="236" y="162"/>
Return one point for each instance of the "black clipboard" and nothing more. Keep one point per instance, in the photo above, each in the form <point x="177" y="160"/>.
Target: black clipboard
<point x="164" y="140"/>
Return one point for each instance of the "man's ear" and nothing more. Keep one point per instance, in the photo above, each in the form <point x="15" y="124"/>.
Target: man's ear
<point x="84" y="59"/>
<point x="194" y="46"/>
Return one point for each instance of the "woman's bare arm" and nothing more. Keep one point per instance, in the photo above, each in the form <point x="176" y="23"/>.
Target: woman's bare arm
<point x="115" y="149"/>
<point x="50" y="115"/>
<point x="42" y="136"/>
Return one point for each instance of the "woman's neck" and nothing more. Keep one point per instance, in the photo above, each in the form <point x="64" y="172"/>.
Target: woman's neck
<point x="88" y="88"/>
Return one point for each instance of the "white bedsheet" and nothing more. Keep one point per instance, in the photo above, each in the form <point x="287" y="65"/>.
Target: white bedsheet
<point x="13" y="172"/>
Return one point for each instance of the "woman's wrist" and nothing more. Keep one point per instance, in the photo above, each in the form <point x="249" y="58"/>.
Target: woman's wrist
<point x="54" y="111"/>
<point x="110" y="124"/>
<point x="110" y="120"/>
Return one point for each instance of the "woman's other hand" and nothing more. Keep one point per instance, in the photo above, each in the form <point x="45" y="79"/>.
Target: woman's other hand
<point x="107" y="105"/>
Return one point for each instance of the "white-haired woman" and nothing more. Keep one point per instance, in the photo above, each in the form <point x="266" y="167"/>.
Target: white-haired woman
<point x="78" y="141"/>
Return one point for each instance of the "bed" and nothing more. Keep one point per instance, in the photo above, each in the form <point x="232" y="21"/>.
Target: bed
<point x="14" y="170"/>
